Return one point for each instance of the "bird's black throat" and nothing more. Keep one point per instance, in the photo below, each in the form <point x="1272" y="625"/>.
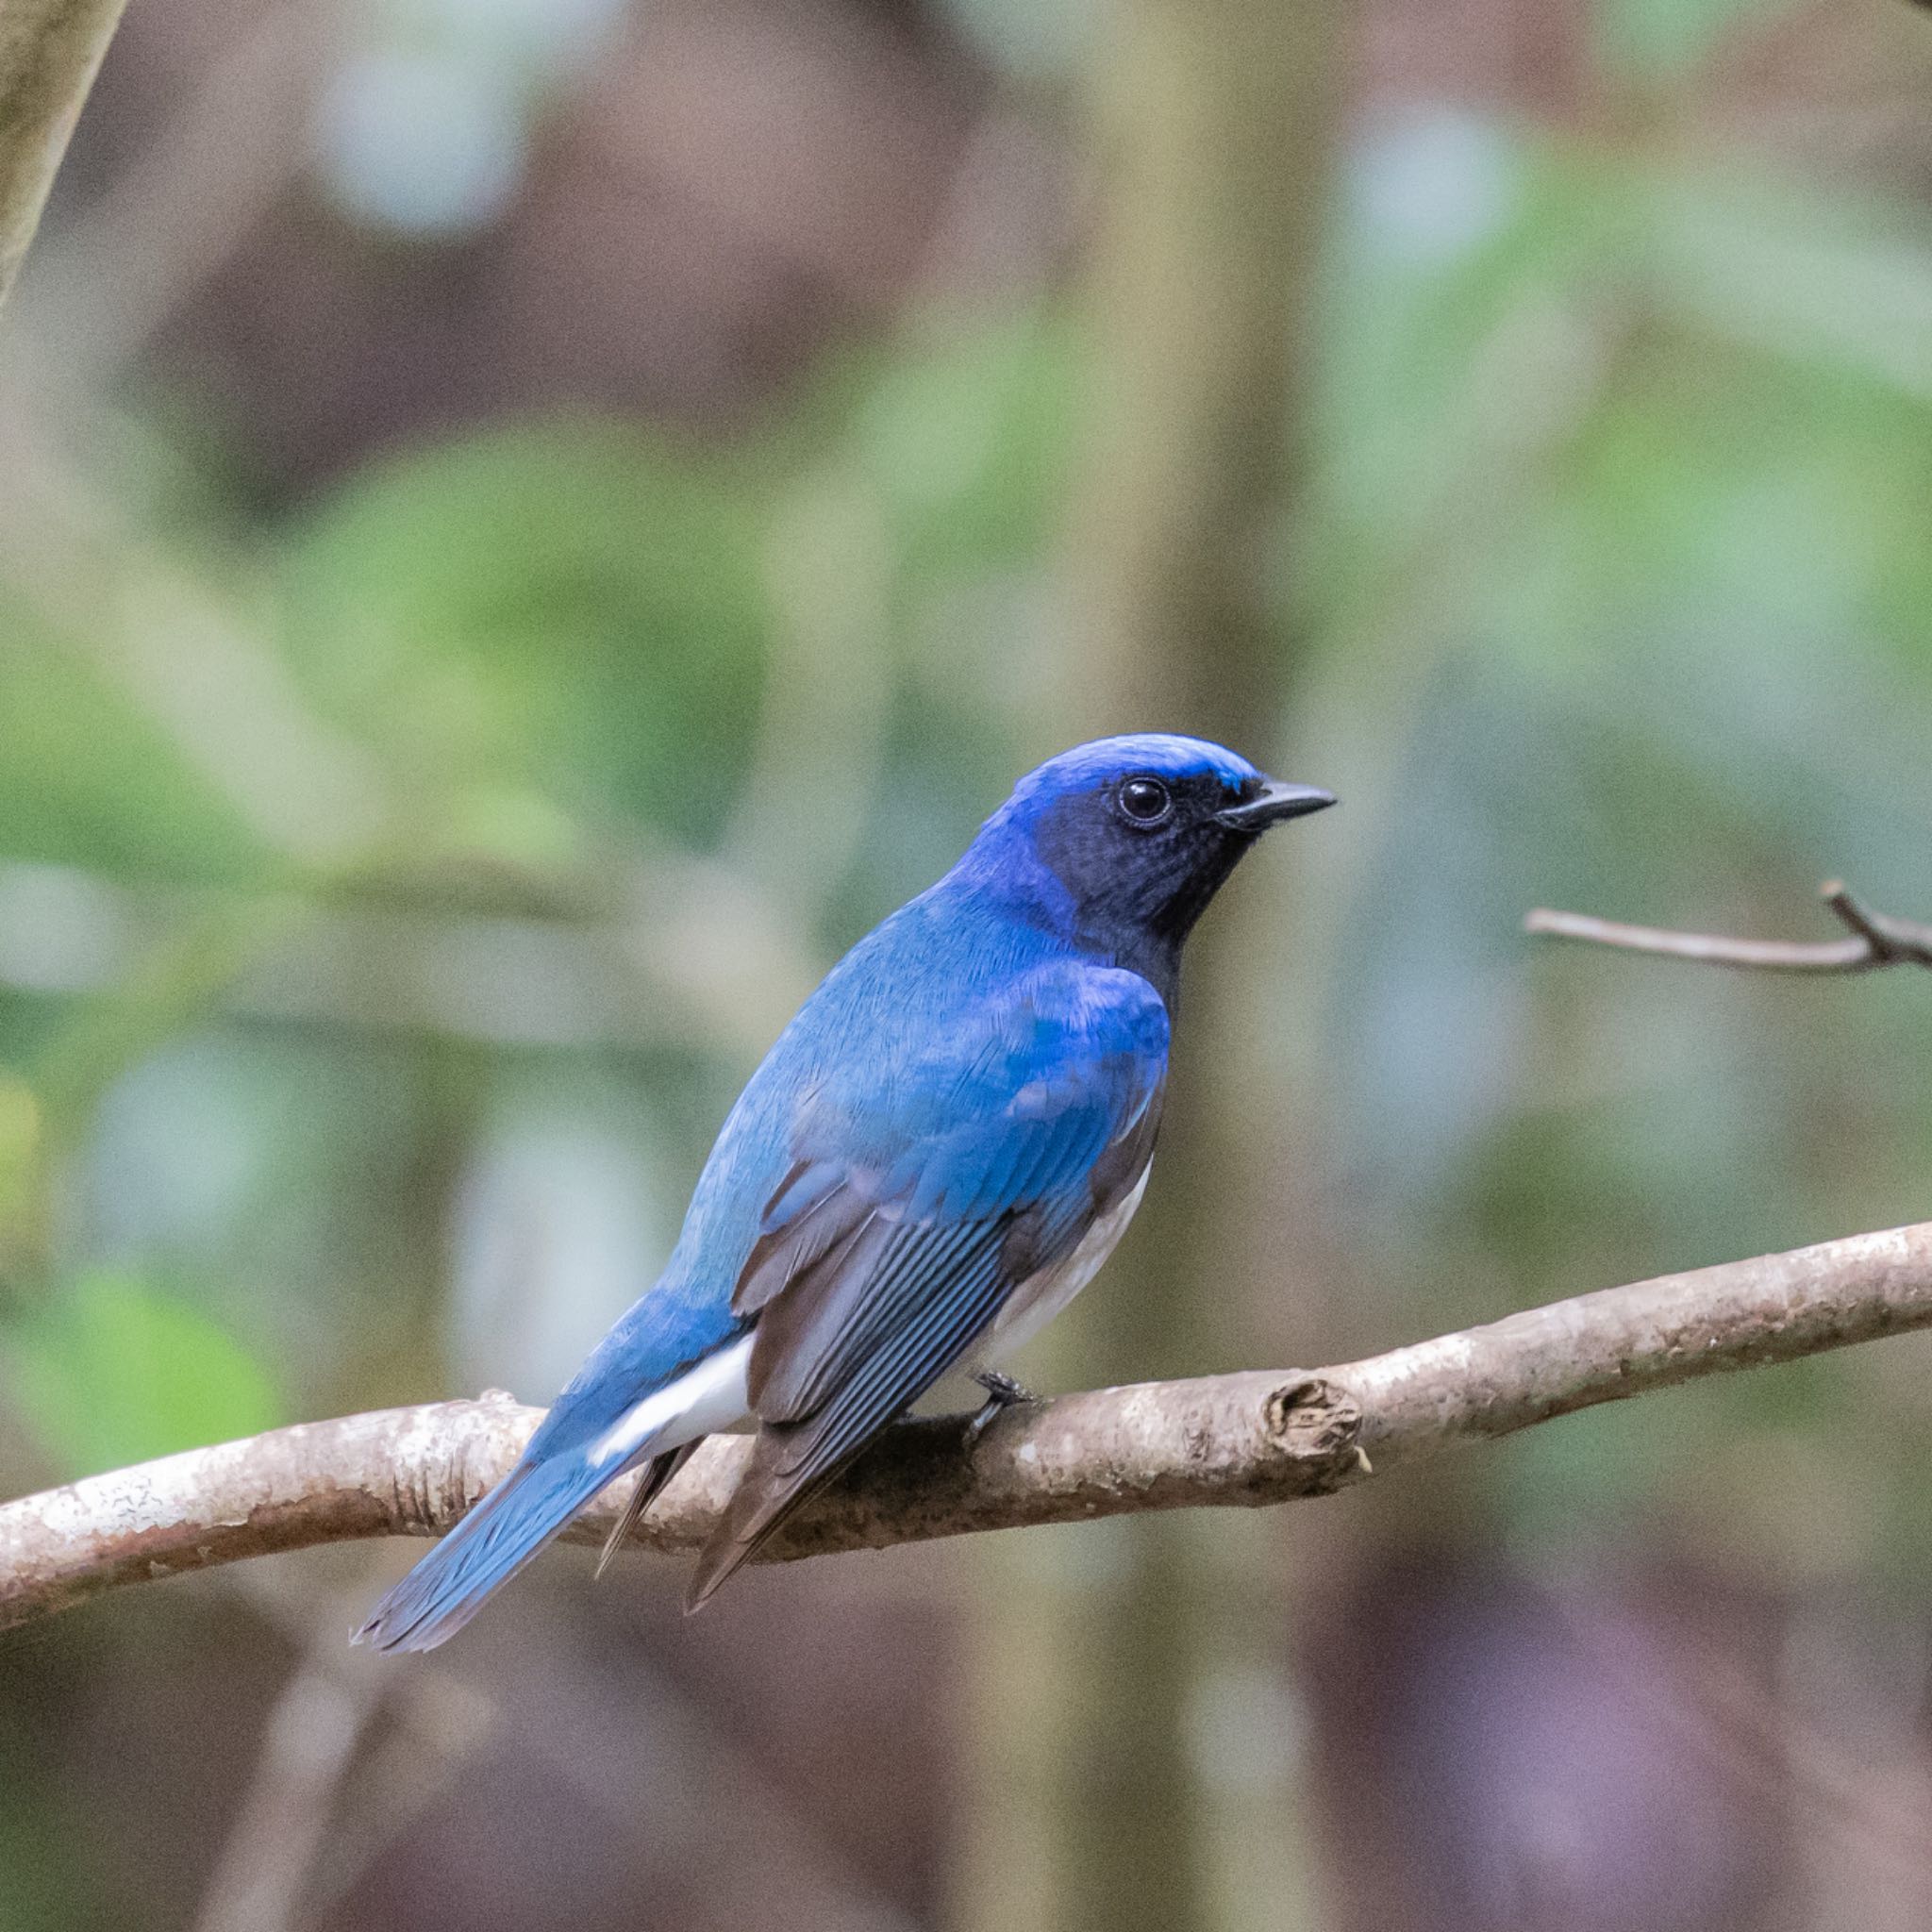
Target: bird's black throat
<point x="1135" y="898"/>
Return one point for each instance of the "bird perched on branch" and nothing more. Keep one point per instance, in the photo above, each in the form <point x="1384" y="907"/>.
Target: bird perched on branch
<point x="935" y="1157"/>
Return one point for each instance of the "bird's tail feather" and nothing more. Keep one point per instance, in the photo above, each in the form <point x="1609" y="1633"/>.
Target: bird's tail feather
<point x="487" y="1548"/>
<point x="652" y="1478"/>
<point x="768" y="1493"/>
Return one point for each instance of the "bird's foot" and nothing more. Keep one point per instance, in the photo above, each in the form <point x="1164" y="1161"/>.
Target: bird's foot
<point x="1002" y="1392"/>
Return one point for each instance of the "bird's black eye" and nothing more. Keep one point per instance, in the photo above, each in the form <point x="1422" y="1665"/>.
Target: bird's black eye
<point x="1144" y="802"/>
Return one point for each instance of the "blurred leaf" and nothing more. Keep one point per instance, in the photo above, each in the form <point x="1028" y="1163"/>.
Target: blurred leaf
<point x="22" y="1175"/>
<point x="112" y="1371"/>
<point x="1633" y="377"/>
<point x="1665" y="38"/>
<point x="1841" y="281"/>
<point x="86" y="778"/>
<point x="969" y="441"/>
<point x="576" y="608"/>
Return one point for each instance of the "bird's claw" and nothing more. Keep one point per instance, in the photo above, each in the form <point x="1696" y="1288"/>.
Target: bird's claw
<point x="1002" y="1392"/>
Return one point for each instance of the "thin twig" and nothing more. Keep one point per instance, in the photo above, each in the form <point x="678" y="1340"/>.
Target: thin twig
<point x="1877" y="940"/>
<point x="50" y="51"/>
<point x="1247" y="1438"/>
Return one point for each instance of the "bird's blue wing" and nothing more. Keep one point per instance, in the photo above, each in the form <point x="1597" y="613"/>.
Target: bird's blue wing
<point x="919" y="1198"/>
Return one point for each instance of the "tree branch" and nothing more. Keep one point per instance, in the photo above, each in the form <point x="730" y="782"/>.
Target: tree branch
<point x="1877" y="940"/>
<point x="1248" y="1439"/>
<point x="50" y="51"/>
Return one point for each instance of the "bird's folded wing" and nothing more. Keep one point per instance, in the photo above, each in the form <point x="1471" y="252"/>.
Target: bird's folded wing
<point x="918" y="1200"/>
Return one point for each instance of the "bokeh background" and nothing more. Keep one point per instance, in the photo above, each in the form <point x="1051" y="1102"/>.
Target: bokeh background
<point x="525" y="527"/>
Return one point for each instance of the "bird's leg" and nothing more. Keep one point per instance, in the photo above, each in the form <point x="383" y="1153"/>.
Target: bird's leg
<point x="1002" y="1391"/>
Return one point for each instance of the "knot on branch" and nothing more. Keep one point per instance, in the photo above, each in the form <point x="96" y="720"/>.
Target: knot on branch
<point x="1317" y="1425"/>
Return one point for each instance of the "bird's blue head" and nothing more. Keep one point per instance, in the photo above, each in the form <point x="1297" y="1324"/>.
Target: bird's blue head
<point x="1121" y="843"/>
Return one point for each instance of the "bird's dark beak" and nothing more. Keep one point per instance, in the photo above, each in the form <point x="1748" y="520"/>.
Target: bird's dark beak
<point x="1272" y="804"/>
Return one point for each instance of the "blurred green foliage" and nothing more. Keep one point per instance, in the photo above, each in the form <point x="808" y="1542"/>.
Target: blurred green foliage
<point x="574" y="609"/>
<point x="114" y="1372"/>
<point x="88" y="781"/>
<point x="1658" y="42"/>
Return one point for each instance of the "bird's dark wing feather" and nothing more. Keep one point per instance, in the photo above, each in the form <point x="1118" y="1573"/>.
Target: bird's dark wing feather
<point x="907" y="1220"/>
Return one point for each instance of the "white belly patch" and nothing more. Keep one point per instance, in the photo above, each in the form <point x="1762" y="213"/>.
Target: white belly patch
<point x="1041" y="1296"/>
<point x="709" y="1397"/>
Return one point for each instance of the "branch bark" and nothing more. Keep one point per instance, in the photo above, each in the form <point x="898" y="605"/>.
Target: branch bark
<point x="1877" y="940"/>
<point x="50" y="51"/>
<point x="1249" y="1439"/>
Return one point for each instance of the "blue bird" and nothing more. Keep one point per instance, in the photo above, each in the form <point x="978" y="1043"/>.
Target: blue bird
<point x="936" y="1154"/>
